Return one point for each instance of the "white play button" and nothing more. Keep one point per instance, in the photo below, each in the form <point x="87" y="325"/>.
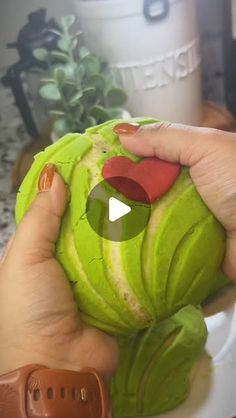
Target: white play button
<point x="113" y="217"/>
<point x="117" y="209"/>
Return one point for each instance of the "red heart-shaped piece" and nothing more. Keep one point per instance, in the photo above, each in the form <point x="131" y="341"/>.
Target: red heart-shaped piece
<point x="155" y="177"/>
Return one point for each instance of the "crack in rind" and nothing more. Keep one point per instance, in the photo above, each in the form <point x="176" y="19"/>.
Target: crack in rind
<point x="95" y="259"/>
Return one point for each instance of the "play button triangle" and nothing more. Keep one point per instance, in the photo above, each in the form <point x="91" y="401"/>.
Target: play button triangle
<point x="117" y="209"/>
<point x="105" y="209"/>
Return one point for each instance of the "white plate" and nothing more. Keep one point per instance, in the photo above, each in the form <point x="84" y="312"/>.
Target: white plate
<point x="213" y="387"/>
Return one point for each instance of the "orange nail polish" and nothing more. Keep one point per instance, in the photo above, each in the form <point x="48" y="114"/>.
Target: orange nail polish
<point x="126" y="128"/>
<point x="46" y="178"/>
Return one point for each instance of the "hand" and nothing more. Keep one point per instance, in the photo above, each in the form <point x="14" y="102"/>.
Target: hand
<point x="211" y="156"/>
<point x="39" y="320"/>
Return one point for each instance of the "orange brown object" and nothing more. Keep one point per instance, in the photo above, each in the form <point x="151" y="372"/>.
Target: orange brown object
<point x="126" y="128"/>
<point x="35" y="391"/>
<point x="46" y="178"/>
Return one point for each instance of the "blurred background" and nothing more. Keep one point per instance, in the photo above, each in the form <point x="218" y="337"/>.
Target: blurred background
<point x="71" y="64"/>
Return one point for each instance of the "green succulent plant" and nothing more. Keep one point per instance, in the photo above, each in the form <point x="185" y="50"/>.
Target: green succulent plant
<point x="127" y="286"/>
<point x="78" y="88"/>
<point x="155" y="365"/>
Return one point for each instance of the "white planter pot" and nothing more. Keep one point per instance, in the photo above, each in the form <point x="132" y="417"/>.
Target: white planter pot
<point x="158" y="60"/>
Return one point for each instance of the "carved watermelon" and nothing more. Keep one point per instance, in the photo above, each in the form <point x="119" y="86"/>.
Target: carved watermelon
<point x="127" y="286"/>
<point x="155" y="365"/>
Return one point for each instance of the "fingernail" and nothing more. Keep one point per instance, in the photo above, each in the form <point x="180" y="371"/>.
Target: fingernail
<point x="46" y="178"/>
<point x="126" y="128"/>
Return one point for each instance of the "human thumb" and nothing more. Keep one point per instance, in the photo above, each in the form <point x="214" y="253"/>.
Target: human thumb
<point x="171" y="142"/>
<point x="38" y="231"/>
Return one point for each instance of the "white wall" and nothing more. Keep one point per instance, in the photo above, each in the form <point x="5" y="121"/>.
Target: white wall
<point x="13" y="15"/>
